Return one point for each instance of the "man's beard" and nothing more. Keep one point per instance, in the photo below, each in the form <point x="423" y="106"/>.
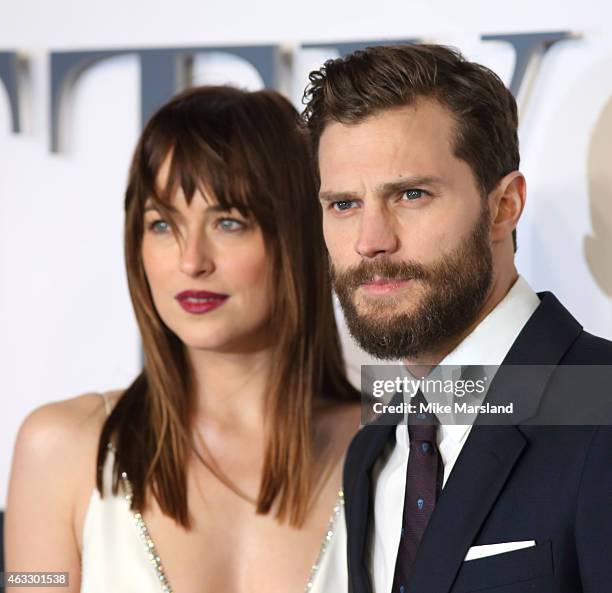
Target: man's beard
<point x="454" y="289"/>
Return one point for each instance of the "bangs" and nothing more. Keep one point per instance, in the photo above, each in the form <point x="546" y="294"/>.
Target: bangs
<point x="215" y="156"/>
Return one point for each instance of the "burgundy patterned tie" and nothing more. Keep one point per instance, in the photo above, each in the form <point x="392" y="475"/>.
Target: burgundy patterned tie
<point x="423" y="484"/>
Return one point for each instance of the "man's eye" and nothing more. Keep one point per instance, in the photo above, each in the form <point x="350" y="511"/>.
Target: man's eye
<point x="159" y="226"/>
<point x="413" y="194"/>
<point x="229" y="224"/>
<point x="342" y="205"/>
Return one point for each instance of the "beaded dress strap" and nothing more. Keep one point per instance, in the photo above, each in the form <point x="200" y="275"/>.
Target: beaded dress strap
<point x="329" y="535"/>
<point x="107" y="404"/>
<point x="141" y="527"/>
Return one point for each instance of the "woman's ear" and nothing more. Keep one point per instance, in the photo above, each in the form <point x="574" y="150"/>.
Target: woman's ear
<point x="506" y="203"/>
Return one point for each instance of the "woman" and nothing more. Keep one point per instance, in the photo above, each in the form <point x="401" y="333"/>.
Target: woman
<point x="219" y="467"/>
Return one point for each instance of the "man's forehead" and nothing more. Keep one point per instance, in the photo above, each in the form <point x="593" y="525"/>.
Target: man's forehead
<point x="389" y="148"/>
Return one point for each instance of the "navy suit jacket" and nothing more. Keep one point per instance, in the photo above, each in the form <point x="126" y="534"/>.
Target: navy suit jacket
<point x="552" y="484"/>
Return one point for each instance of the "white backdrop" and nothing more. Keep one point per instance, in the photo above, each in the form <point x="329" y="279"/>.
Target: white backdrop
<point x="66" y="324"/>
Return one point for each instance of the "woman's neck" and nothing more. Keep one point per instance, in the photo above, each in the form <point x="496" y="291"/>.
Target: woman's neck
<point x="230" y="387"/>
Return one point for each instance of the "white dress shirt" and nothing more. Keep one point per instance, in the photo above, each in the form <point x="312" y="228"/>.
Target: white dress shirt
<point x="488" y="344"/>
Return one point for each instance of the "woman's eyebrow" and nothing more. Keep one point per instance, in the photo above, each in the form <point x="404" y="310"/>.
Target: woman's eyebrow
<point x="150" y="206"/>
<point x="212" y="209"/>
<point x="219" y="208"/>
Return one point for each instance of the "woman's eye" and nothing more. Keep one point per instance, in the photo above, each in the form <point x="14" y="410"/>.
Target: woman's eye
<point x="229" y="224"/>
<point x="342" y="205"/>
<point x="159" y="226"/>
<point x="413" y="194"/>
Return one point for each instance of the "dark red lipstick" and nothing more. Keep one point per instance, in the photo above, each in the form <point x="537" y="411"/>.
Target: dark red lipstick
<point x="200" y="301"/>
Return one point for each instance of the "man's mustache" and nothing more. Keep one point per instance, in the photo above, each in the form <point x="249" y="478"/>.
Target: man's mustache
<point x="370" y="270"/>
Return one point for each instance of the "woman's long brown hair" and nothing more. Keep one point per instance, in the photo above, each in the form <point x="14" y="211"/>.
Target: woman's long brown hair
<point x="248" y="150"/>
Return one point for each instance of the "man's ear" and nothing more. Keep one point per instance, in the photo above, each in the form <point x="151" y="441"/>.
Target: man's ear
<point x="506" y="203"/>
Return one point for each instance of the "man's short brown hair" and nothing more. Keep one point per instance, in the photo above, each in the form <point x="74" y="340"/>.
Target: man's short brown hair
<point x="366" y="82"/>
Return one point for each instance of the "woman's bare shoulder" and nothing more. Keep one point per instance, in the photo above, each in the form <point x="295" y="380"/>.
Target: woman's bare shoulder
<point x="62" y="430"/>
<point x="52" y="473"/>
<point x="68" y="417"/>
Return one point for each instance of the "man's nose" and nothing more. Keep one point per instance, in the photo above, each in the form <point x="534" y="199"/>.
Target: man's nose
<point x="196" y="254"/>
<point x="377" y="234"/>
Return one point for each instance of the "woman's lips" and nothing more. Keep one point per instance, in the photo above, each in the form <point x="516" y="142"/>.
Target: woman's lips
<point x="383" y="286"/>
<point x="200" y="301"/>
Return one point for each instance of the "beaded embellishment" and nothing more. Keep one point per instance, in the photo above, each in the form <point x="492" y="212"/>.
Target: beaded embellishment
<point x="155" y="559"/>
<point x="148" y="542"/>
<point x="329" y="535"/>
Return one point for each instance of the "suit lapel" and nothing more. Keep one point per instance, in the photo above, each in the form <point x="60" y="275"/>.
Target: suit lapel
<point x="539" y="348"/>
<point x="490" y="452"/>
<point x="372" y="440"/>
<point x="547" y="336"/>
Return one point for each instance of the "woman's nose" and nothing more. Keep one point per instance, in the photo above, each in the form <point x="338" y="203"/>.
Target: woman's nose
<point x="196" y="255"/>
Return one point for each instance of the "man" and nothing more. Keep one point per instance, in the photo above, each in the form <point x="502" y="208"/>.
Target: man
<point x="421" y="194"/>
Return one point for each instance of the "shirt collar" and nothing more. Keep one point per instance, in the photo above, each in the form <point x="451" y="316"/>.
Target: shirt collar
<point x="491" y="340"/>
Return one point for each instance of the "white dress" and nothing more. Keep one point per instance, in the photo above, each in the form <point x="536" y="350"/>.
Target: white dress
<point x="118" y="555"/>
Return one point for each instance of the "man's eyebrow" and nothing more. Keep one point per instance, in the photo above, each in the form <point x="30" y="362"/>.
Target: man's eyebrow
<point x="386" y="188"/>
<point x="409" y="182"/>
<point x="338" y="196"/>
